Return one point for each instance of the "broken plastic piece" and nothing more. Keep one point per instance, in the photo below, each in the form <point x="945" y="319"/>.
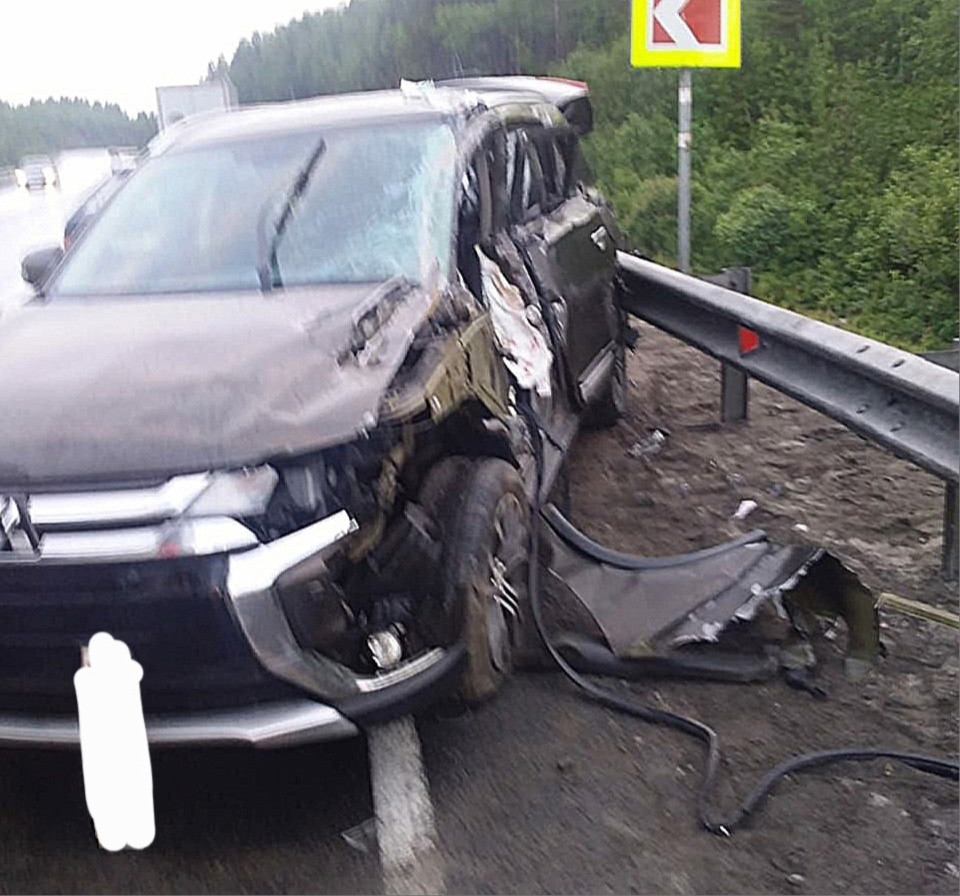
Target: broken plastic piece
<point x="646" y="606"/>
<point x="802" y="680"/>
<point x="648" y="445"/>
<point x="745" y="509"/>
<point x="524" y="348"/>
<point x="362" y="837"/>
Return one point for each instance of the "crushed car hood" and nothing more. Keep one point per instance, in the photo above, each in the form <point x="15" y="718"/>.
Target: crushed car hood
<point x="122" y="389"/>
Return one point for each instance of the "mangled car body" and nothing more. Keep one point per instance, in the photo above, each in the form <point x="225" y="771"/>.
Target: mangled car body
<point x="265" y="424"/>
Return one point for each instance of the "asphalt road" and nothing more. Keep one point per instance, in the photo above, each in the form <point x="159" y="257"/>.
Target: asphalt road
<point x="34" y="219"/>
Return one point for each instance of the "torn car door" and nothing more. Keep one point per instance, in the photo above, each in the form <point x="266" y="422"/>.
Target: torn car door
<point x="571" y="255"/>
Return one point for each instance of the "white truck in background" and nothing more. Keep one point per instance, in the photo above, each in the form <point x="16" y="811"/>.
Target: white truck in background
<point x="175" y="103"/>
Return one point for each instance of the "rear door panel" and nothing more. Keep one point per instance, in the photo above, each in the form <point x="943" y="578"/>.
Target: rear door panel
<point x="572" y="259"/>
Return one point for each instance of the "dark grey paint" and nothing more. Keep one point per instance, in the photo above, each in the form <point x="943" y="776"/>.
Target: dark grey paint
<point x="128" y="388"/>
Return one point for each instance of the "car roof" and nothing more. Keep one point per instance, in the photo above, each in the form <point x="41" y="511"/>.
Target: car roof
<point x="453" y="101"/>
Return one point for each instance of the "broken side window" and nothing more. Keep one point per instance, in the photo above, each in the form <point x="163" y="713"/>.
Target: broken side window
<point x="544" y="149"/>
<point x="474" y="216"/>
<point x="577" y="170"/>
<point x="525" y="178"/>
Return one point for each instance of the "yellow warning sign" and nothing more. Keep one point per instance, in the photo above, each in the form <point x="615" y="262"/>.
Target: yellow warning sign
<point x="685" y="33"/>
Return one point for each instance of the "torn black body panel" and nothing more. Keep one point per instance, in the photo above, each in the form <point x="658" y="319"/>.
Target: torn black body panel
<point x="647" y="607"/>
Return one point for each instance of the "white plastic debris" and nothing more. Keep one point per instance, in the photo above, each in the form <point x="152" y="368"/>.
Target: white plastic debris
<point x="649" y="445"/>
<point x="117" y="777"/>
<point x="523" y="346"/>
<point x="362" y="837"/>
<point x="801" y="527"/>
<point x="745" y="509"/>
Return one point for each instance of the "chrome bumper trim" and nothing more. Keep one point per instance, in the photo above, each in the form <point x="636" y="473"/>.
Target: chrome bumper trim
<point x="264" y="726"/>
<point x="258" y="569"/>
<point x="251" y="577"/>
<point x="370" y="683"/>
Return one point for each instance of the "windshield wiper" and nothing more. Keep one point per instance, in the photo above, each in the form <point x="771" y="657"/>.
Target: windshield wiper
<point x="267" y="269"/>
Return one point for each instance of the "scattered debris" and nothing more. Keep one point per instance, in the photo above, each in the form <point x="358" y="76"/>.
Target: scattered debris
<point x="649" y="445"/>
<point x="879" y="800"/>
<point x="801" y="527"/>
<point x="745" y="509"/>
<point x="795" y="879"/>
<point x="362" y="837"/>
<point x="802" y="680"/>
<point x="643" y="607"/>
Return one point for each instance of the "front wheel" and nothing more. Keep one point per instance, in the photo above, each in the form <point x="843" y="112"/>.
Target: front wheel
<point x="487" y="573"/>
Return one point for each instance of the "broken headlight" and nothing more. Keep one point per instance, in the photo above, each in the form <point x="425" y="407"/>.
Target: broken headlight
<point x="240" y="493"/>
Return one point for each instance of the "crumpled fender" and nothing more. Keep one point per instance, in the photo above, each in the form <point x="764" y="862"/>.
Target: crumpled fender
<point x="647" y="606"/>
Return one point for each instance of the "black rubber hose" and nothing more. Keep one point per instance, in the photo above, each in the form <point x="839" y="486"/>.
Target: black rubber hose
<point x="630" y="706"/>
<point x="576" y="539"/>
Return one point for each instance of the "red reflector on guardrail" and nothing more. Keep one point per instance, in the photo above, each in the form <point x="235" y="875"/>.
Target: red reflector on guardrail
<point x="749" y="340"/>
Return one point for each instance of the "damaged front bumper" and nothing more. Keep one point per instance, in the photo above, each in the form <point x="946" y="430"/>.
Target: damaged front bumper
<point x="222" y="665"/>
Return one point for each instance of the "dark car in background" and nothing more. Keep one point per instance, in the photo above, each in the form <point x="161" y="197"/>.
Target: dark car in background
<point x="275" y="411"/>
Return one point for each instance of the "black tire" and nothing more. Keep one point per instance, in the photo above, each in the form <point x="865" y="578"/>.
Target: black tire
<point x="486" y="574"/>
<point x="442" y="489"/>
<point x="612" y="403"/>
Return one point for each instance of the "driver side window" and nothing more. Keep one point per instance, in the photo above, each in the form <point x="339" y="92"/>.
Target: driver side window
<point x="524" y="178"/>
<point x="475" y="214"/>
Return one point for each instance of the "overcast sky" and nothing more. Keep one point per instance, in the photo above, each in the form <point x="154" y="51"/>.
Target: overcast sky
<point x="119" y="52"/>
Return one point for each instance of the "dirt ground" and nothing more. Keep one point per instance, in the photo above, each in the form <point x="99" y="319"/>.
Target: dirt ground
<point x="854" y="828"/>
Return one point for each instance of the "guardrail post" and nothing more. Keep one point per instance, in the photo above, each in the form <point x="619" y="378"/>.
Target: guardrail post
<point x="951" y="549"/>
<point x="733" y="394"/>
<point x="733" y="381"/>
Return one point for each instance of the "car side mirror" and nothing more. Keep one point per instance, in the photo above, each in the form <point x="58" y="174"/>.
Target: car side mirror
<point x="37" y="266"/>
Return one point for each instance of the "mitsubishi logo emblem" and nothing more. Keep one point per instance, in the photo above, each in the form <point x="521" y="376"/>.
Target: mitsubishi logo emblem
<point x="17" y="532"/>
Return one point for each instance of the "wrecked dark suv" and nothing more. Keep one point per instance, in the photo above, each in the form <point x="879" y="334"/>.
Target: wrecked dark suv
<point x="271" y="421"/>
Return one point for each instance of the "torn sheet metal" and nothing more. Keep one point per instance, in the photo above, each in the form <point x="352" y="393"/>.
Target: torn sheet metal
<point x="524" y="348"/>
<point x="648" y="606"/>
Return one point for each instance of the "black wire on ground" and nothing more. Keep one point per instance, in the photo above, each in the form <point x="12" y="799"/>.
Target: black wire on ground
<point x="942" y="768"/>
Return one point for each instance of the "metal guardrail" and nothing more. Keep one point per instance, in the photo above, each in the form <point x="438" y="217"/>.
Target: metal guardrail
<point x="896" y="399"/>
<point x="949" y="358"/>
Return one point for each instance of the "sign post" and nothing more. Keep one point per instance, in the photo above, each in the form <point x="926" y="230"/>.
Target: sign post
<point x="685" y="34"/>
<point x="684" y="141"/>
